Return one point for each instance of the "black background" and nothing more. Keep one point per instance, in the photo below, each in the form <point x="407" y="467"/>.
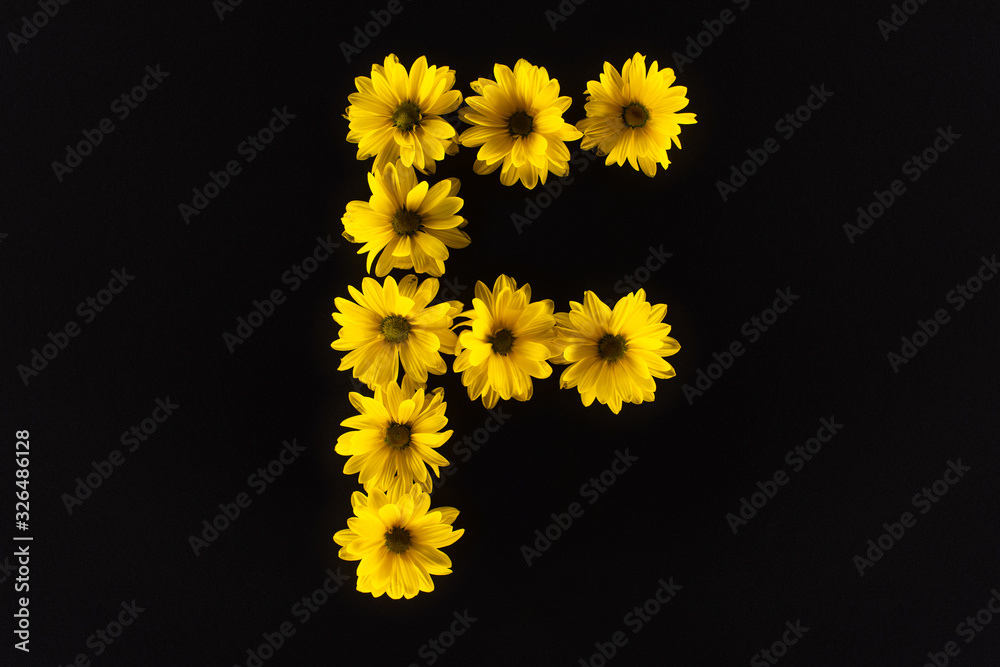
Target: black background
<point x="666" y="516"/>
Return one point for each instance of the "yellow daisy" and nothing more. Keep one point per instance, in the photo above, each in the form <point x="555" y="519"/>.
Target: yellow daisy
<point x="398" y="541"/>
<point x="396" y="114"/>
<point x="388" y="324"/>
<point x="614" y="354"/>
<point x="633" y="115"/>
<point x="508" y="344"/>
<point x="397" y="433"/>
<point x="519" y="125"/>
<point x="411" y="224"/>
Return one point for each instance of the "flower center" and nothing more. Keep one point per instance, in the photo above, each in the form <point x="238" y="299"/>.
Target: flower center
<point x="611" y="348"/>
<point x="395" y="328"/>
<point x="397" y="436"/>
<point x="406" y="223"/>
<point x="520" y="124"/>
<point x="635" y="115"/>
<point x="406" y="116"/>
<point x="502" y="342"/>
<point x="397" y="540"/>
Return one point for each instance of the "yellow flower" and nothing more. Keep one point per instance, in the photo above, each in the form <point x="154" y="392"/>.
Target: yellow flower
<point x="519" y="125"/>
<point x="398" y="541"/>
<point x="397" y="433"/>
<point x="614" y="355"/>
<point x="396" y="114"/>
<point x="508" y="344"/>
<point x="411" y="224"/>
<point x="392" y="323"/>
<point x="633" y="115"/>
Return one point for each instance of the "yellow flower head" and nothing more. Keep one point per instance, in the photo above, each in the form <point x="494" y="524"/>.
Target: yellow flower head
<point x="388" y="324"/>
<point x="411" y="224"/>
<point x="633" y="115"/>
<point x="508" y="344"/>
<point x="519" y="125"/>
<point x="614" y="354"/>
<point x="396" y="114"/>
<point x="398" y="541"/>
<point x="397" y="433"/>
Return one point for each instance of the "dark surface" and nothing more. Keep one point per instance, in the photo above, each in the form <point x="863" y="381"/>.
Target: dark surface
<point x="666" y="516"/>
